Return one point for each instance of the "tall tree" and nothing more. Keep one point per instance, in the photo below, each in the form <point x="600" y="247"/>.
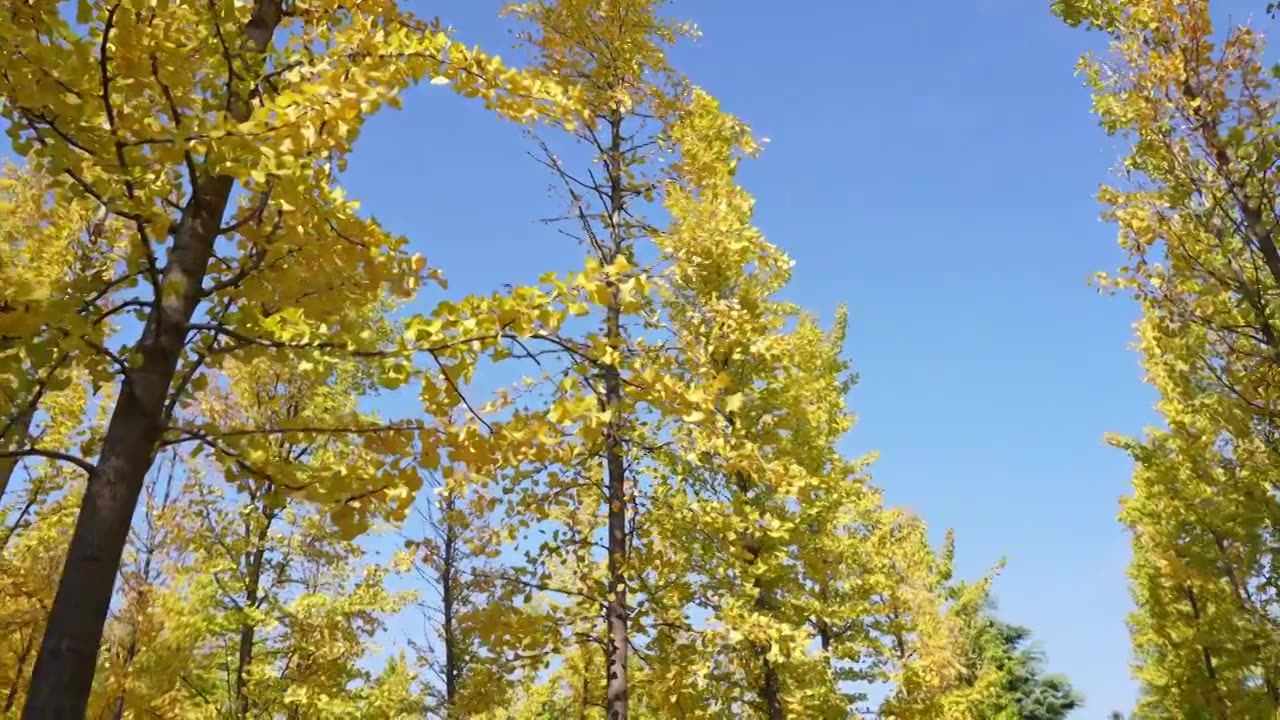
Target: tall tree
<point x="57" y="304"/>
<point x="459" y="579"/>
<point x="1032" y="693"/>
<point x="158" y="112"/>
<point x="38" y="512"/>
<point x="722" y="439"/>
<point x="762" y="526"/>
<point x="582" y="476"/>
<point x="264" y="609"/>
<point x="1196" y="209"/>
<point x="721" y="312"/>
<point x="132" y="626"/>
<point x="614" y="52"/>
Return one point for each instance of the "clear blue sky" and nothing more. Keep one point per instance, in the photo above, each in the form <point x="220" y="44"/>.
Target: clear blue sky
<point x="932" y="165"/>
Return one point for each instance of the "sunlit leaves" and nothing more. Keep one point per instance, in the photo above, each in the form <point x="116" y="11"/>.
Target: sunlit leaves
<point x="1195" y="208"/>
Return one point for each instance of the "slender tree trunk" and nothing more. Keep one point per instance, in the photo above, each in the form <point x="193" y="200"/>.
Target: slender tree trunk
<point x="770" y="685"/>
<point x="16" y="437"/>
<point x="616" y="693"/>
<point x="826" y="633"/>
<point x="131" y="652"/>
<point x="243" y="661"/>
<point x="117" y="705"/>
<point x="448" y="578"/>
<point x="12" y="696"/>
<point x="63" y="674"/>
<point x="770" y="688"/>
<point x="585" y="703"/>
<point x="619" y="643"/>
<point x="248" y="629"/>
<point x="34" y="495"/>
<point x="1211" y="672"/>
<point x="117" y="710"/>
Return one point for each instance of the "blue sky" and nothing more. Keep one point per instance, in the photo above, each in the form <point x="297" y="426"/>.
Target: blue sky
<point x="932" y="165"/>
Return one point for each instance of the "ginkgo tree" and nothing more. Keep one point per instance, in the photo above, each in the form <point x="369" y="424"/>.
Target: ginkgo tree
<point x="724" y="499"/>
<point x="213" y="134"/>
<point x="1195" y="204"/>
<point x="243" y="600"/>
<point x="471" y="668"/>
<point x="567" y="451"/>
<point x="57" y="303"/>
<point x="799" y="575"/>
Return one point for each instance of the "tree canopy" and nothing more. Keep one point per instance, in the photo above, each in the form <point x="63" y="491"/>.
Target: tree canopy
<point x="226" y="389"/>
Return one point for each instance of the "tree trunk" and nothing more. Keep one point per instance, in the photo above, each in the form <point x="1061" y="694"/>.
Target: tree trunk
<point x="448" y="578"/>
<point x="117" y="712"/>
<point x="616" y="611"/>
<point x="12" y="696"/>
<point x="117" y="705"/>
<point x="16" y="437"/>
<point x="1215" y="700"/>
<point x="584" y="704"/>
<point x="64" y="668"/>
<point x="770" y="687"/>
<point x="619" y="643"/>
<point x="248" y="630"/>
<point x="63" y="674"/>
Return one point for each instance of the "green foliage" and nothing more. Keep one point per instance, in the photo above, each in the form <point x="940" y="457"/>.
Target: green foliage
<point x="1035" y="694"/>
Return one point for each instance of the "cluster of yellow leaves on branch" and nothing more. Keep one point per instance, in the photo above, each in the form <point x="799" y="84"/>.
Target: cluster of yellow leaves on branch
<point x="657" y="522"/>
<point x="1196" y="208"/>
